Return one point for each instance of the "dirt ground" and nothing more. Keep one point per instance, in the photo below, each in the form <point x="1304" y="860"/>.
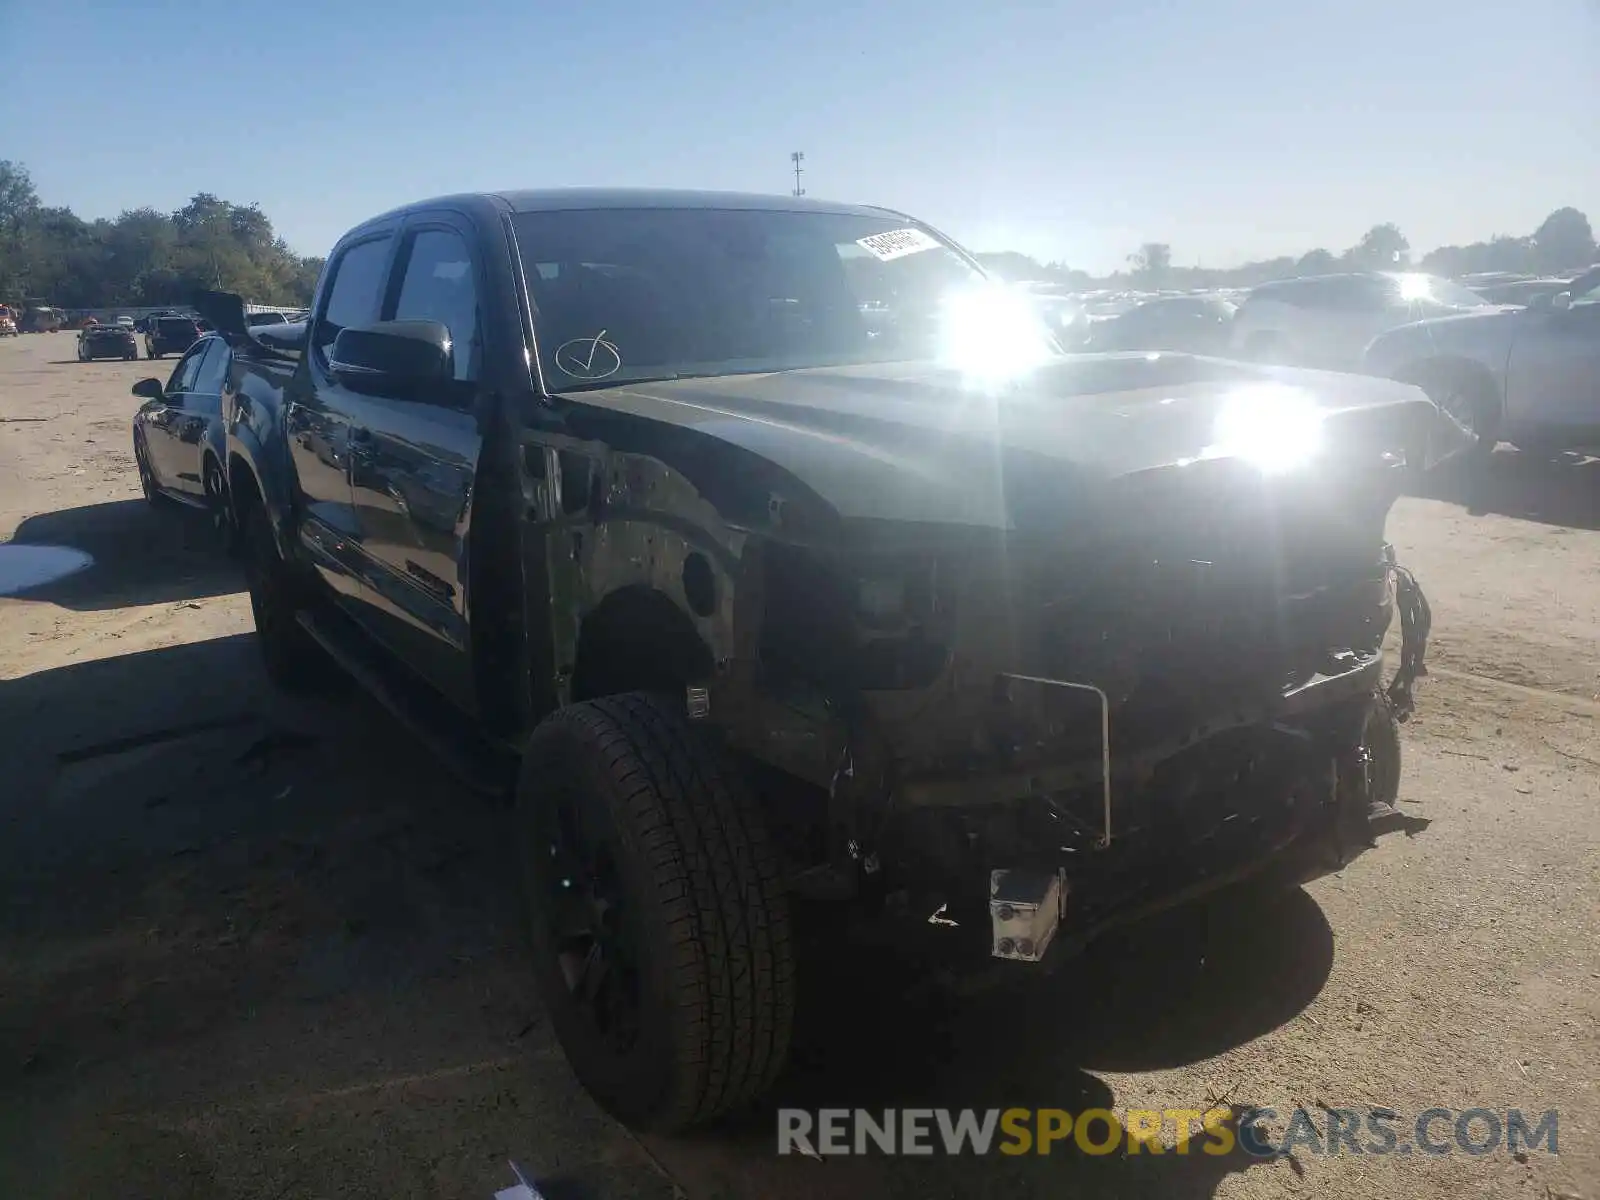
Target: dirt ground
<point x="252" y="950"/>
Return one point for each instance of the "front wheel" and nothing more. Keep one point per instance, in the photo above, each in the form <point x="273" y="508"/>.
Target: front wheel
<point x="147" y="477"/>
<point x="220" y="511"/>
<point x="659" y="924"/>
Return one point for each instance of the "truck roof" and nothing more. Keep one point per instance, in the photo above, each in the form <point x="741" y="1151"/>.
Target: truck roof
<point x="557" y="199"/>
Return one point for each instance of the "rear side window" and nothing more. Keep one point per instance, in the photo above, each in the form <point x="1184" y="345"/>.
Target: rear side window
<point x="213" y="368"/>
<point x="352" y="297"/>
<point x="188" y="369"/>
<point x="1355" y="293"/>
<point x="438" y="285"/>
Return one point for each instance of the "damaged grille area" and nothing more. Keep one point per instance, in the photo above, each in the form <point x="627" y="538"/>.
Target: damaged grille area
<point x="1223" y="591"/>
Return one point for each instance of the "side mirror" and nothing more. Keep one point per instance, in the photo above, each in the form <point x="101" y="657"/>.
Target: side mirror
<point x="1561" y="301"/>
<point x="149" y="389"/>
<point x="392" y="356"/>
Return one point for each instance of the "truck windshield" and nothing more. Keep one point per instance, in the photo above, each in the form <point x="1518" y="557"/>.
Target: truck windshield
<point x="622" y="294"/>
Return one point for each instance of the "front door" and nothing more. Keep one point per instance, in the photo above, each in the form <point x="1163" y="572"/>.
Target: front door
<point x="413" y="463"/>
<point x="168" y="427"/>
<point x="317" y="417"/>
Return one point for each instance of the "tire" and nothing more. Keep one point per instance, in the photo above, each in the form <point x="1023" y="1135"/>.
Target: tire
<point x="147" y="477"/>
<point x="293" y="660"/>
<point x="668" y="972"/>
<point x="219" y="511"/>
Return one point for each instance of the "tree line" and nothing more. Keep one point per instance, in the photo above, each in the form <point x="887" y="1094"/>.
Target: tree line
<point x="146" y="257"/>
<point x="142" y="257"/>
<point x="1562" y="244"/>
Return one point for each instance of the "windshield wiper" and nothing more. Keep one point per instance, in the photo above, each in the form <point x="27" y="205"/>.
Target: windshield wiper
<point x="595" y="385"/>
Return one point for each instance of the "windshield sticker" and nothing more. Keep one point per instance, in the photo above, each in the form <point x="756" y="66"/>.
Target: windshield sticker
<point x="897" y="243"/>
<point x="589" y="358"/>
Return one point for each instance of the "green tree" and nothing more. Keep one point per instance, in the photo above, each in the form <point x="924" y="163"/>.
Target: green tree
<point x="1382" y="248"/>
<point x="1564" y="241"/>
<point x="1151" y="263"/>
<point x="1316" y="262"/>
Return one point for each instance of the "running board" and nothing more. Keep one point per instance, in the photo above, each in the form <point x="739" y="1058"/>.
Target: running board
<point x="477" y="763"/>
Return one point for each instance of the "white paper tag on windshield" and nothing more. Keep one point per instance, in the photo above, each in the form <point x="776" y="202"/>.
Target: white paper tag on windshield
<point x="897" y="243"/>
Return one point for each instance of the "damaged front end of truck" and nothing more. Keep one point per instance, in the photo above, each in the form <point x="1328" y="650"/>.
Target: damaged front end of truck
<point x="1142" y="687"/>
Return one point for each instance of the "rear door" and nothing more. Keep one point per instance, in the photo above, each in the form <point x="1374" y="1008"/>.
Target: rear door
<point x="414" y="459"/>
<point x="317" y="417"/>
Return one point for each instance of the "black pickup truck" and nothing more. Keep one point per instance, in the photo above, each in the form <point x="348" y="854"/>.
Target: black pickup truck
<point x="770" y="553"/>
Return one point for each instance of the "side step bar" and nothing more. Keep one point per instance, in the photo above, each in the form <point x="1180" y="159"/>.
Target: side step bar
<point x="478" y="763"/>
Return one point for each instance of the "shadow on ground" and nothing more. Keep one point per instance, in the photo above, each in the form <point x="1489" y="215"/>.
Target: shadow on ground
<point x="1560" y="490"/>
<point x="250" y="948"/>
<point x="140" y="555"/>
<point x="1172" y="991"/>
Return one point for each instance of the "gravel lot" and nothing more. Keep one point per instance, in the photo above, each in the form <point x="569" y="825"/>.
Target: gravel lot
<point x="249" y="950"/>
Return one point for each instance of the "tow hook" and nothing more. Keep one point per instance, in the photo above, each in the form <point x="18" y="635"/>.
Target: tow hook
<point x="1025" y="908"/>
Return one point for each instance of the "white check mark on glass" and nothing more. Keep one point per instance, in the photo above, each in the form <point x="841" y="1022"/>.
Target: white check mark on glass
<point x="594" y="346"/>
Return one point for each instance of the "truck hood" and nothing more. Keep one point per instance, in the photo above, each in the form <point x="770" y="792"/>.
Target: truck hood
<point x="921" y="442"/>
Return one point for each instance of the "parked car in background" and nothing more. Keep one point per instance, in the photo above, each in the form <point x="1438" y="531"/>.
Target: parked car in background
<point x="1528" y="376"/>
<point x="178" y="435"/>
<point x="1523" y="291"/>
<point x="711" y="571"/>
<point x="125" y="321"/>
<point x="1063" y="312"/>
<point x="265" y="318"/>
<point x="8" y="322"/>
<point x="170" y="335"/>
<point x="1327" y="320"/>
<point x="107" y="341"/>
<point x="1194" y="324"/>
<point x="42" y="319"/>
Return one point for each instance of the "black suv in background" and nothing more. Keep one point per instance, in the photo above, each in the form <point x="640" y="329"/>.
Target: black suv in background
<point x="169" y="335"/>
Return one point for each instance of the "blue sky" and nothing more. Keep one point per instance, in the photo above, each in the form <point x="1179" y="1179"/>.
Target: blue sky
<point x="1232" y="129"/>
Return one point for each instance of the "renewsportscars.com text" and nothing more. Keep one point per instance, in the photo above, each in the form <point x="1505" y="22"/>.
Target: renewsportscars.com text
<point x="1260" y="1132"/>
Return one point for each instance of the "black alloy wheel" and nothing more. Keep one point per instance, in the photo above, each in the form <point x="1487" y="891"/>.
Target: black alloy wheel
<point x="658" y="920"/>
<point x="147" y="478"/>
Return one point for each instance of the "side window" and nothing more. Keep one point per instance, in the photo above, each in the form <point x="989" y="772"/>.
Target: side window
<point x="183" y="375"/>
<point x="1345" y="294"/>
<point x="352" y="298"/>
<point x="438" y="285"/>
<point x="213" y="368"/>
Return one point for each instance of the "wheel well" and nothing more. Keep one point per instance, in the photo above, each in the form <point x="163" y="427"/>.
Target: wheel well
<point x="637" y="639"/>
